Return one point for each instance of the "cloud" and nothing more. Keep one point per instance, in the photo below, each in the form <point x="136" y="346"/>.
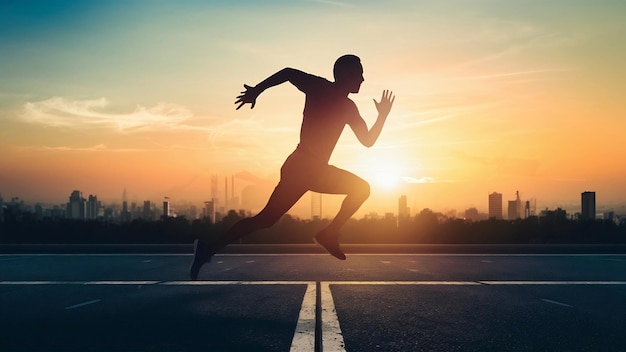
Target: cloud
<point x="94" y="148"/>
<point x="425" y="179"/>
<point x="92" y="113"/>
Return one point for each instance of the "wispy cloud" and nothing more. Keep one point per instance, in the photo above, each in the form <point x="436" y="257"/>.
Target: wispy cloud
<point x="94" y="148"/>
<point x="90" y="113"/>
<point x="421" y="180"/>
<point x="334" y="3"/>
<point x="515" y="74"/>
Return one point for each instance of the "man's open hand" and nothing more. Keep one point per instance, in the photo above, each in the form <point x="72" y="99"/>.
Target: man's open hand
<point x="384" y="106"/>
<point x="248" y="96"/>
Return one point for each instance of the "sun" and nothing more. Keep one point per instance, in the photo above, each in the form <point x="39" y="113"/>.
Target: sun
<point x="386" y="180"/>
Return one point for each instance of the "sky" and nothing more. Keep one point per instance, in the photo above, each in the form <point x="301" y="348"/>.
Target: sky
<point x="491" y="96"/>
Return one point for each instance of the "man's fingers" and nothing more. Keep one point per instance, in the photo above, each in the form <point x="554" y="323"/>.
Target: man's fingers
<point x="240" y="105"/>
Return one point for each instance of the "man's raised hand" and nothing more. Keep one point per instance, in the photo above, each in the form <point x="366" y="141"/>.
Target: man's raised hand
<point x="248" y="96"/>
<point x="386" y="101"/>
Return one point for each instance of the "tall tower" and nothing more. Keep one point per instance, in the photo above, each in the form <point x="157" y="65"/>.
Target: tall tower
<point x="518" y="204"/>
<point x="588" y="205"/>
<point x="209" y="210"/>
<point x="146" y="213"/>
<point x="76" y="206"/>
<point x="495" y="205"/>
<point x="166" y="207"/>
<point x="93" y="207"/>
<point x="403" y="209"/>
<point x="316" y="206"/>
<point x="226" y="194"/>
<point x="125" y="216"/>
<point x="1" y="209"/>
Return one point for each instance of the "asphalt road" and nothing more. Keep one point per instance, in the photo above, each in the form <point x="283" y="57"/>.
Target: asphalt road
<point x="307" y="302"/>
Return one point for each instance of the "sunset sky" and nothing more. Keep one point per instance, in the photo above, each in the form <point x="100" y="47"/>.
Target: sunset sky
<point x="491" y="96"/>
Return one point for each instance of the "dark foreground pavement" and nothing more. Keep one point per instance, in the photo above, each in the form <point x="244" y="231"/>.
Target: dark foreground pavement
<point x="312" y="302"/>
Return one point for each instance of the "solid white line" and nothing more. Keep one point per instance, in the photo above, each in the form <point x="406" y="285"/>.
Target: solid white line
<point x="120" y="282"/>
<point x="557" y="303"/>
<point x="83" y="304"/>
<point x="304" y="335"/>
<point x="389" y="283"/>
<point x="203" y="283"/>
<point x="402" y="282"/>
<point x="553" y="282"/>
<point x="332" y="339"/>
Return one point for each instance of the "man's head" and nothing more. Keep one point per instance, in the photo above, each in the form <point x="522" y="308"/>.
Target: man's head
<point x="348" y="73"/>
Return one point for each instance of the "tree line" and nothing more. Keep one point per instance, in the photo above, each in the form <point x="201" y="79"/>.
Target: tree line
<point x="427" y="227"/>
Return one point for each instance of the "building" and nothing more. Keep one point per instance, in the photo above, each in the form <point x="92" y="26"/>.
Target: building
<point x="146" y="213"/>
<point x="403" y="210"/>
<point x="93" y="208"/>
<point x="125" y="215"/>
<point x="588" y="206"/>
<point x="76" y="206"/>
<point x="495" y="205"/>
<point x="166" y="208"/>
<point x="1" y="209"/>
<point x="316" y="206"/>
<point x="209" y="210"/>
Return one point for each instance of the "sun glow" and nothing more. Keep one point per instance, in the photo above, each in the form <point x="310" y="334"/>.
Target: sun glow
<point x="383" y="169"/>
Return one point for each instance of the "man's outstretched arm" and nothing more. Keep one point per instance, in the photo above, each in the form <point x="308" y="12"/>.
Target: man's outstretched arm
<point x="248" y="96"/>
<point x="369" y="137"/>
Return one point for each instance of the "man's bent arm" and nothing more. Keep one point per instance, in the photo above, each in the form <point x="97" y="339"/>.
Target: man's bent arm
<point x="369" y="137"/>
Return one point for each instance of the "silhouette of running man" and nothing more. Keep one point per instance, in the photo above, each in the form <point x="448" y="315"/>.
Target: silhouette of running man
<point x="327" y="110"/>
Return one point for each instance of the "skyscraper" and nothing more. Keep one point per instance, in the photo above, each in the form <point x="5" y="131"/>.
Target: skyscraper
<point x="495" y="205"/>
<point x="166" y="207"/>
<point x="588" y="205"/>
<point x="125" y="215"/>
<point x="76" y="206"/>
<point x="209" y="210"/>
<point x="403" y="210"/>
<point x="93" y="207"/>
<point x="316" y="206"/>
<point x="1" y="209"/>
<point x="147" y="212"/>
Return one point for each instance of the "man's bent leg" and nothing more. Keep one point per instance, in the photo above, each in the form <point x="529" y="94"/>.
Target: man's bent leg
<point x="357" y="190"/>
<point x="282" y="199"/>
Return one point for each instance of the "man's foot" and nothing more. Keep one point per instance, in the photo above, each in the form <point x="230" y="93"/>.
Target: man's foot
<point x="201" y="254"/>
<point x="330" y="242"/>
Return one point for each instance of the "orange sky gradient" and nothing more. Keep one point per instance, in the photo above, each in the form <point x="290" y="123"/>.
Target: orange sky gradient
<point x="491" y="96"/>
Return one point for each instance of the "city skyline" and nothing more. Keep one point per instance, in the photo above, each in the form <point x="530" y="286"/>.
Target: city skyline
<point x="81" y="207"/>
<point x="491" y="97"/>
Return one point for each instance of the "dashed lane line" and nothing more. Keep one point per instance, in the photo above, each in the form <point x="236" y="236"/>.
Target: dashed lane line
<point x="83" y="304"/>
<point x="557" y="303"/>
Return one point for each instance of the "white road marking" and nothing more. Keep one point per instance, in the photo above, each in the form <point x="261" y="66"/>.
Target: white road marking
<point x="486" y="261"/>
<point x="557" y="303"/>
<point x="147" y="261"/>
<point x="385" y="262"/>
<point x="205" y="283"/>
<point x="332" y="339"/>
<point x="120" y="282"/>
<point x="402" y="282"/>
<point x="553" y="282"/>
<point x="83" y="304"/>
<point x="304" y="336"/>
